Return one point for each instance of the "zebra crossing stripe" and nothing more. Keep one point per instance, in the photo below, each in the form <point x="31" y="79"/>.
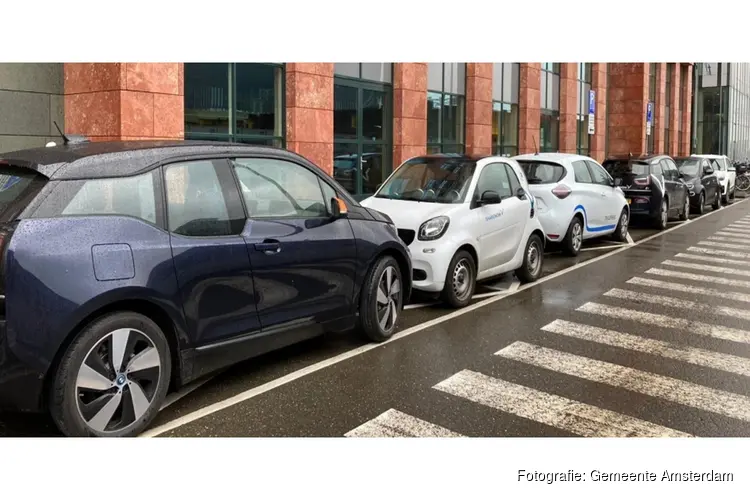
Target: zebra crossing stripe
<point x="717" y="244"/>
<point x="712" y="251"/>
<point x="678" y="303"/>
<point x="394" y="423"/>
<point x="706" y="267"/>
<point x="671" y="389"/>
<point x="694" y="356"/>
<point x="729" y="230"/>
<point x="679" y="287"/>
<point x="662" y="321"/>
<point x="732" y="234"/>
<point x="699" y="277"/>
<point x="708" y="258"/>
<point x="730" y="240"/>
<point x="549" y="409"/>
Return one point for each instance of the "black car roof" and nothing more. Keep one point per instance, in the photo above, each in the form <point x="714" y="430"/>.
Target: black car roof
<point x="124" y="158"/>
<point x="642" y="157"/>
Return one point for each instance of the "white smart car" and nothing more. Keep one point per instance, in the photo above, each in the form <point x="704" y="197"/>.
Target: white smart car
<point x="464" y="219"/>
<point x="726" y="174"/>
<point x="576" y="198"/>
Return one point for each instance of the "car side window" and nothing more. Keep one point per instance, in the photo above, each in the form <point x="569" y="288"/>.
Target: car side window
<point x="197" y="200"/>
<point x="581" y="172"/>
<point x="657" y="169"/>
<point x="278" y="188"/>
<point x="715" y="165"/>
<point x="494" y="177"/>
<point x="600" y="176"/>
<point x="515" y="184"/>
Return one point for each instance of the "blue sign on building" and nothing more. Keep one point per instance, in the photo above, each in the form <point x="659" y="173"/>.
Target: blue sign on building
<point x="592" y="102"/>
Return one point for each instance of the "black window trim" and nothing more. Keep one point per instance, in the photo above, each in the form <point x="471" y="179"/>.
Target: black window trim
<point x="545" y="162"/>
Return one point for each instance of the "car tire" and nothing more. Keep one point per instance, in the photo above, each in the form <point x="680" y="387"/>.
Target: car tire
<point x="382" y="300"/>
<point x="460" y="280"/>
<point x="701" y="204"/>
<point x="573" y="241"/>
<point x="662" y="218"/>
<point x="717" y="202"/>
<point x="82" y="405"/>
<point x="621" y="231"/>
<point x="685" y="215"/>
<point x="533" y="260"/>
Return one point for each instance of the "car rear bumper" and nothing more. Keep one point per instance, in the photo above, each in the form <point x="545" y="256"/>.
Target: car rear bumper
<point x="21" y="387"/>
<point x="643" y="204"/>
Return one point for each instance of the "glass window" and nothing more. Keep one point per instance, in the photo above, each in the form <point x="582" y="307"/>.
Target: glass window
<point x="550" y="130"/>
<point x="377" y="72"/>
<point x="581" y="172"/>
<point x="598" y="174"/>
<point x="18" y="187"/>
<point x="689" y="166"/>
<point x="515" y="184"/>
<point x="494" y="178"/>
<point x="582" y="118"/>
<point x="278" y="189"/>
<point x="436" y="180"/>
<point x="132" y="196"/>
<point x="656" y="169"/>
<point x="542" y="172"/>
<point x="252" y="94"/>
<point x="505" y="108"/>
<point x="550" y="107"/>
<point x="445" y="108"/>
<point x="196" y="204"/>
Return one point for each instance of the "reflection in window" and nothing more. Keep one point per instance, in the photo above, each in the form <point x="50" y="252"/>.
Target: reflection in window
<point x="237" y="102"/>
<point x="445" y="108"/>
<point x="582" y="117"/>
<point x="549" y="127"/>
<point x="133" y="196"/>
<point x="505" y="83"/>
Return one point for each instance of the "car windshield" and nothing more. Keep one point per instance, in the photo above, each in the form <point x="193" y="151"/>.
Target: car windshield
<point x="17" y="187"/>
<point x="689" y="166"/>
<point x="434" y="180"/>
<point x="539" y="172"/>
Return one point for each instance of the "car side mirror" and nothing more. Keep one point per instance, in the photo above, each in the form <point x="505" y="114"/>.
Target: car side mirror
<point x="708" y="171"/>
<point x="490" y="198"/>
<point x="338" y="208"/>
<point x="521" y="194"/>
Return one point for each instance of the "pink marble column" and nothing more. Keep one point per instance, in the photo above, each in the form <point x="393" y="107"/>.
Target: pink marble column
<point x="568" y="107"/>
<point x="598" y="141"/>
<point x="409" y="111"/>
<point x="479" y="108"/>
<point x="529" y="100"/>
<point x="628" y="98"/>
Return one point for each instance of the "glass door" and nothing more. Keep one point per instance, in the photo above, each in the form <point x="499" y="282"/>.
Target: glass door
<point x="362" y="135"/>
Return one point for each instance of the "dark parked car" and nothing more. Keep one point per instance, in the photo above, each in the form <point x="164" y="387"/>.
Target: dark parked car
<point x="653" y="186"/>
<point x="702" y="182"/>
<point x="131" y="268"/>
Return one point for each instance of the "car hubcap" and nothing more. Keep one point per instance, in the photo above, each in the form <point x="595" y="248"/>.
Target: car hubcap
<point x="118" y="380"/>
<point x="389" y="298"/>
<point x="577" y="236"/>
<point x="462" y="279"/>
<point x="664" y="215"/>
<point x="624" y="225"/>
<point x="533" y="258"/>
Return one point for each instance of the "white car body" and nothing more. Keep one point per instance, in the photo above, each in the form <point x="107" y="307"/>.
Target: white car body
<point x="495" y="234"/>
<point x="598" y="204"/>
<point x="726" y="174"/>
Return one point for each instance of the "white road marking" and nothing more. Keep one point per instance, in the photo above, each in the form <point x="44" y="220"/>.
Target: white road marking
<point x="607" y="247"/>
<point x="678" y="287"/>
<point x="419" y="306"/>
<point x="514" y="286"/>
<point x="630" y="239"/>
<point x="690" y="305"/>
<point x="556" y="411"/>
<point x="738" y="226"/>
<point x="724" y="245"/>
<point x="176" y="396"/>
<point x="733" y="230"/>
<point x="662" y="321"/>
<point x="732" y="234"/>
<point x="730" y="240"/>
<point x="740" y="223"/>
<point x="394" y="423"/>
<point x="303" y="372"/>
<point x="686" y="354"/>
<point x="706" y="267"/>
<point x="488" y="294"/>
<point x="671" y="389"/>
<point x="698" y="277"/>
<point x="714" y="251"/>
<point x="718" y="260"/>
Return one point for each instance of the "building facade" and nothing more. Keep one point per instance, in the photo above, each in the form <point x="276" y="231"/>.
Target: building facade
<point x="360" y="120"/>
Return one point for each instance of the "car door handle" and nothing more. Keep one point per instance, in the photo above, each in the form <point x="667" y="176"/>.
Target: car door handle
<point x="268" y="247"/>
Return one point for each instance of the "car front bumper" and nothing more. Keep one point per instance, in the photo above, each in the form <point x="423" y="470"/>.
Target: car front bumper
<point x="430" y="261"/>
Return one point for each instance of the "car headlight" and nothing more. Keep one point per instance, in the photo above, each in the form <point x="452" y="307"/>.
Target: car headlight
<point x="689" y="185"/>
<point x="433" y="228"/>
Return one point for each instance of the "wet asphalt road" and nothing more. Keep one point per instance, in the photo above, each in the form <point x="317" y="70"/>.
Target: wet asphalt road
<point x="402" y="375"/>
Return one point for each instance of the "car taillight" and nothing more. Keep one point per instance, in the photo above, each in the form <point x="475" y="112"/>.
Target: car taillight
<point x="643" y="182"/>
<point x="561" y="191"/>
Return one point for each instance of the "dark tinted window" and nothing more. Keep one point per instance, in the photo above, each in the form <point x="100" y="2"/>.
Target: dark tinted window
<point x="278" y="188"/>
<point x="618" y="168"/>
<point x="494" y="178"/>
<point x="581" y="172"/>
<point x="541" y="172"/>
<point x="197" y="202"/>
<point x="17" y="188"/>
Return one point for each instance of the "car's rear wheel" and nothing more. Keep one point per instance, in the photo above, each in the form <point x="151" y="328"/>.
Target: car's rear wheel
<point x="381" y="300"/>
<point x="685" y="215"/>
<point x="717" y="202"/>
<point x="701" y="204"/>
<point x="533" y="258"/>
<point x="621" y="232"/>
<point x="662" y="218"/>
<point x="113" y="378"/>
<point x="460" y="280"/>
<point x="574" y="237"/>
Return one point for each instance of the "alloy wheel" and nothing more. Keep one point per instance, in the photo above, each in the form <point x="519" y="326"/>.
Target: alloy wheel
<point x="664" y="214"/>
<point x="389" y="296"/>
<point x="624" y="225"/>
<point x="462" y="277"/>
<point x="117" y="381"/>
<point x="533" y="258"/>
<point x="687" y="207"/>
<point x="577" y="236"/>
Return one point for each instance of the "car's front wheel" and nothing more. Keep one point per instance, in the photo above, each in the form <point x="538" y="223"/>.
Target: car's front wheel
<point x="533" y="257"/>
<point x="113" y="378"/>
<point x="685" y="215"/>
<point x="717" y="201"/>
<point x="621" y="231"/>
<point x="381" y="300"/>
<point x="460" y="280"/>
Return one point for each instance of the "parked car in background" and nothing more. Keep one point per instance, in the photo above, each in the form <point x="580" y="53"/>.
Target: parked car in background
<point x="132" y="268"/>
<point x="576" y="199"/>
<point x="653" y="187"/>
<point x="702" y="182"/>
<point x="465" y="219"/>
<point x="726" y="173"/>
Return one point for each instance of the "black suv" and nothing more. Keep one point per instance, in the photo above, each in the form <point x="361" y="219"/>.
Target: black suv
<point x="652" y="185"/>
<point x="703" y="184"/>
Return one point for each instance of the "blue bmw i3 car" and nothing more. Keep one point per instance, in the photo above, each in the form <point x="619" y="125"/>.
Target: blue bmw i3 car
<point x="128" y="269"/>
